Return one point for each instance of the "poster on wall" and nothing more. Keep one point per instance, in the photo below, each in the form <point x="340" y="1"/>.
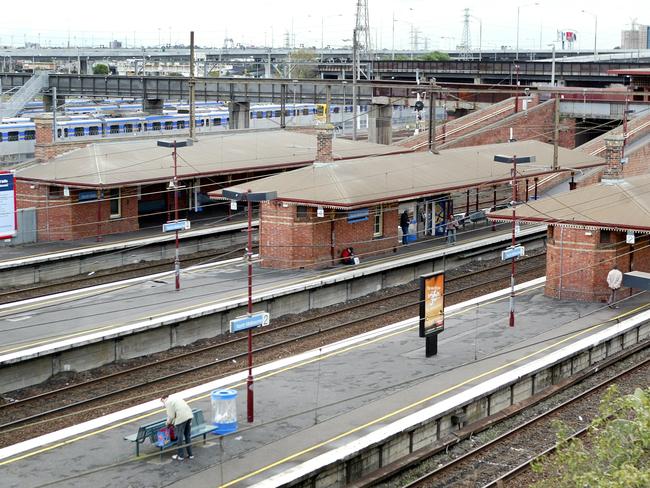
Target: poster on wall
<point x="432" y="303"/>
<point x="8" y="218"/>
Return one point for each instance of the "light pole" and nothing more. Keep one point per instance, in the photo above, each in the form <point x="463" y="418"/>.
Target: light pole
<point x="518" y="11"/>
<point x="174" y="184"/>
<point x="514" y="160"/>
<point x="595" y="30"/>
<point x="552" y="64"/>
<point x="250" y="197"/>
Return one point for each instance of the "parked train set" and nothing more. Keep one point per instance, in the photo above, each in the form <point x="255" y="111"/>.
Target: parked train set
<point x="17" y="135"/>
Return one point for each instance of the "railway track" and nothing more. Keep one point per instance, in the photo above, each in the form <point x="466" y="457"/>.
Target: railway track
<point x="503" y="458"/>
<point x="147" y="380"/>
<point x="110" y="276"/>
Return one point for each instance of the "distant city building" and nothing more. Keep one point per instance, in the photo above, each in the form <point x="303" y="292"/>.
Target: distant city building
<point x="638" y="37"/>
<point x="115" y="45"/>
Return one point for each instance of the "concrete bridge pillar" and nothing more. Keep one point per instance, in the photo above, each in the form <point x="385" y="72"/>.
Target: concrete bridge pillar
<point x="380" y="127"/>
<point x="48" y="102"/>
<point x="153" y="105"/>
<point x="239" y="115"/>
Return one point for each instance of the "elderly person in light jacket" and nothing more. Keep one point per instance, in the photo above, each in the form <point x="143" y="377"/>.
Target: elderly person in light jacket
<point x="614" y="281"/>
<point x="179" y="414"/>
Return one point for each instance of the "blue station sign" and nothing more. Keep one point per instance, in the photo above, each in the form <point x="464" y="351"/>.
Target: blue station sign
<point x="245" y="322"/>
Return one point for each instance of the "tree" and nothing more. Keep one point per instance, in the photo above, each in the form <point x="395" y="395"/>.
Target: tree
<point x="301" y="69"/>
<point x="616" y="453"/>
<point x="436" y="56"/>
<point x="100" y="69"/>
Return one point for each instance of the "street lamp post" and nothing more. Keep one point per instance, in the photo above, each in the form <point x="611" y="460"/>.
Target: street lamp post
<point x="513" y="160"/>
<point x="250" y="197"/>
<point x="595" y="30"/>
<point x="518" y="11"/>
<point x="174" y="184"/>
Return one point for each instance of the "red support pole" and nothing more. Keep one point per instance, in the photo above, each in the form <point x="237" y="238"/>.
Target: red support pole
<point x="512" y="273"/>
<point x="249" y="257"/>
<point x="177" y="261"/>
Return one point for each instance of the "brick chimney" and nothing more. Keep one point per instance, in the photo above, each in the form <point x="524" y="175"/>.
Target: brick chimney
<point x="324" y="137"/>
<point x="45" y="147"/>
<point x="613" y="154"/>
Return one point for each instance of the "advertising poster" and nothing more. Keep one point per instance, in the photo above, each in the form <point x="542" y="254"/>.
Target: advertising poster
<point x="432" y="303"/>
<point x="7" y="205"/>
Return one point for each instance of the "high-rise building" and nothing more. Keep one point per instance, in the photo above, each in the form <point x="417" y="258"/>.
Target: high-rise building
<point x="638" y="37"/>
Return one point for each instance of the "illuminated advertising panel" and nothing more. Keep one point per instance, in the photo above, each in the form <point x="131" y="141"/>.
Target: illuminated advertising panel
<point x="8" y="218"/>
<point x="432" y="303"/>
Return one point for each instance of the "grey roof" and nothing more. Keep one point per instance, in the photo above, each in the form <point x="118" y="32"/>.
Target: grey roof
<point x="623" y="205"/>
<point x="405" y="176"/>
<point x="133" y="162"/>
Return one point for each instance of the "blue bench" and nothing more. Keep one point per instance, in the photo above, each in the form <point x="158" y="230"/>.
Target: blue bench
<point x="150" y="431"/>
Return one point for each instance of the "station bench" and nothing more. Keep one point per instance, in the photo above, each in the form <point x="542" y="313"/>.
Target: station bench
<point x="150" y="431"/>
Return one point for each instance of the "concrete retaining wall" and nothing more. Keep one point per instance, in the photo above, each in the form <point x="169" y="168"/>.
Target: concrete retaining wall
<point x="348" y="469"/>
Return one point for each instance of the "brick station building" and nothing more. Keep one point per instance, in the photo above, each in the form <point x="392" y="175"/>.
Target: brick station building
<point x="592" y="228"/>
<point x="330" y="205"/>
<point x="112" y="187"/>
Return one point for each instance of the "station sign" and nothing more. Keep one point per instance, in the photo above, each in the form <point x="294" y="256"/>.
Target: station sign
<point x="8" y="216"/>
<point x="513" y="252"/>
<point x="175" y="225"/>
<point x="629" y="237"/>
<point x="250" y="321"/>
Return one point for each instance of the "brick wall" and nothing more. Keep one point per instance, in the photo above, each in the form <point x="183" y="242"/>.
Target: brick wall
<point x="537" y="123"/>
<point x="65" y="218"/>
<point x="464" y="125"/>
<point x="288" y="241"/>
<point x="577" y="263"/>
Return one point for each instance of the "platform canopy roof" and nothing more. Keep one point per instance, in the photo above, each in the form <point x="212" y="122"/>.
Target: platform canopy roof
<point x="373" y="180"/>
<point x="622" y="206"/>
<point x="115" y="164"/>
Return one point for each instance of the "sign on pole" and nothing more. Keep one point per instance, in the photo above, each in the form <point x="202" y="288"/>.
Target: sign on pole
<point x="175" y="225"/>
<point x="513" y="252"/>
<point x="245" y="322"/>
<point x="8" y="217"/>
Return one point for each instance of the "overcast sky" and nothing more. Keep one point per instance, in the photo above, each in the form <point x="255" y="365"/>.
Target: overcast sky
<point x="262" y="22"/>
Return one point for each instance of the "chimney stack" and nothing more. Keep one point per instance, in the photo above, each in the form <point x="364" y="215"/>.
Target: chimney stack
<point x="613" y="155"/>
<point x="324" y="137"/>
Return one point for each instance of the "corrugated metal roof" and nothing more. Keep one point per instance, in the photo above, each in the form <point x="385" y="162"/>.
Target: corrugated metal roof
<point x="624" y="205"/>
<point x="404" y="176"/>
<point x="128" y="163"/>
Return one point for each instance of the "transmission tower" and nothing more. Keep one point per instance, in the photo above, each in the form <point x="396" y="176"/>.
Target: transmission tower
<point x="465" y="46"/>
<point x="363" y="30"/>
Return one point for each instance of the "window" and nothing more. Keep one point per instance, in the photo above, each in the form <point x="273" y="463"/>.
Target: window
<point x="305" y="111"/>
<point x="65" y="132"/>
<point x="139" y="127"/>
<point x="12" y="136"/>
<point x="180" y="124"/>
<point x="259" y="114"/>
<point x="128" y="128"/>
<point x="55" y="191"/>
<point x="337" y="110"/>
<point x="78" y="131"/>
<point x="605" y="237"/>
<point x="30" y="135"/>
<point x="378" y="227"/>
<point x="93" y="131"/>
<point x="58" y="134"/>
<point x="269" y="114"/>
<point x="216" y="121"/>
<point x="277" y="114"/>
<point x="302" y="212"/>
<point x="169" y="125"/>
<point x="156" y="126"/>
<point x="2" y="134"/>
<point x="116" y="206"/>
<point x="114" y="129"/>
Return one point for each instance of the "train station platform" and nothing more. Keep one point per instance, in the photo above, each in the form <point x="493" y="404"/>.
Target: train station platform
<point x="321" y="402"/>
<point x="52" y="324"/>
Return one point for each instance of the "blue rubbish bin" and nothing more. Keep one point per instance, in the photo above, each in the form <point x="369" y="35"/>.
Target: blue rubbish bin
<point x="224" y="411"/>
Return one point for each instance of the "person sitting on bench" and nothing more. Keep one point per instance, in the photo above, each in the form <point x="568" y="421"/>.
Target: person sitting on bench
<point x="348" y="257"/>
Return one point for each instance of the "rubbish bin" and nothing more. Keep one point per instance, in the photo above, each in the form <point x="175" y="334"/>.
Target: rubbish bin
<point x="224" y="411"/>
